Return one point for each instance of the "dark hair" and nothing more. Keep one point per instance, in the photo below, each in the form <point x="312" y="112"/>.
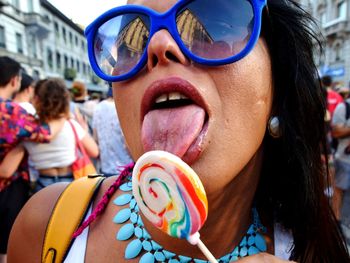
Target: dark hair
<point x="9" y="68"/>
<point x="26" y="82"/>
<point x="326" y="81"/>
<point x="293" y="178"/>
<point x="51" y="99"/>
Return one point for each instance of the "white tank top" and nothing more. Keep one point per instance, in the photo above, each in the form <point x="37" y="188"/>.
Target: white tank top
<point x="283" y="244"/>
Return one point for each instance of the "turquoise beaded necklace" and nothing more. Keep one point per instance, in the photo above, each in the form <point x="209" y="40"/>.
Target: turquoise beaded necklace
<point x="141" y="242"/>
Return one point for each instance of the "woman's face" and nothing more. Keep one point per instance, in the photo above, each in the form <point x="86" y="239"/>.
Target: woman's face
<point x="222" y="128"/>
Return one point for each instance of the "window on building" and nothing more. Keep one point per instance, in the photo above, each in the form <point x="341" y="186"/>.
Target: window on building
<point x="76" y="41"/>
<point x="64" y="34"/>
<point x="2" y="37"/>
<point x="78" y="66"/>
<point x="323" y="17"/>
<point x="337" y="52"/>
<point x="19" y="43"/>
<point x="33" y="47"/>
<point x="57" y="29"/>
<point x="83" y="45"/>
<point x="341" y="9"/>
<point x="72" y="62"/>
<point x="16" y="4"/>
<point x="30" y="6"/>
<point x="36" y="74"/>
<point x="58" y="60"/>
<point x="84" y="68"/>
<point x="71" y="38"/>
<point x="49" y="58"/>
<point x="66" y="62"/>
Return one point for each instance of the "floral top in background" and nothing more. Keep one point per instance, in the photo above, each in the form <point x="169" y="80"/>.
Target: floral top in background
<point x="17" y="125"/>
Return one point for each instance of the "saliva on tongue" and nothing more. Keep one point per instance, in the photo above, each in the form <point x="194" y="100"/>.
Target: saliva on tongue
<point x="172" y="129"/>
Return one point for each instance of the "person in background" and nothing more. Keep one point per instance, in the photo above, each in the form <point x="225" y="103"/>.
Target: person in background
<point x="24" y="98"/>
<point x="344" y="92"/>
<point x="333" y="98"/>
<point x="78" y="107"/>
<point x="25" y="94"/>
<point x="53" y="160"/>
<point x="16" y="125"/>
<point x="109" y="136"/>
<point x="341" y="132"/>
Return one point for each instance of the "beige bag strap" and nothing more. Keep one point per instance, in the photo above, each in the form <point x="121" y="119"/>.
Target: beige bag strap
<point x="66" y="217"/>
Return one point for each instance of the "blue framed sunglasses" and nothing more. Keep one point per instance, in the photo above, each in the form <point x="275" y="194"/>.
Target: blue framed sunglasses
<point x="208" y="32"/>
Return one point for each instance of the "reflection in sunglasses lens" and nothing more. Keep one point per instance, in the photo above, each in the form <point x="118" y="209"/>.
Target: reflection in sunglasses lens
<point x="120" y="43"/>
<point x="216" y="29"/>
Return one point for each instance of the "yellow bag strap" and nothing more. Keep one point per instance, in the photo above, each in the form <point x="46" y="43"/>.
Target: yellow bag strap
<point x="66" y="217"/>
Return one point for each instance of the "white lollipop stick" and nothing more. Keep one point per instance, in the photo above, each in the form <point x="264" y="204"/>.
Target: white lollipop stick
<point x="195" y="240"/>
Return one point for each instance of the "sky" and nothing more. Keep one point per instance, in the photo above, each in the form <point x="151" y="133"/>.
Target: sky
<point x="85" y="11"/>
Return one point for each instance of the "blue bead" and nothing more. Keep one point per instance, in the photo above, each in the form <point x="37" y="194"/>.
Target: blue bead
<point x="243" y="252"/>
<point x="199" y="261"/>
<point x="132" y="203"/>
<point x="155" y="245"/>
<point x="225" y="258"/>
<point x="253" y="251"/>
<point x="159" y="256"/>
<point x="133" y="217"/>
<point x="147" y="245"/>
<point x="251" y="230"/>
<point x="233" y="258"/>
<point x="145" y="234"/>
<point x="125" y="187"/>
<point x="260" y="242"/>
<point x="138" y="232"/>
<point x="173" y="261"/>
<point x="122" y="216"/>
<point x="133" y="249"/>
<point x="139" y="221"/>
<point x="184" y="259"/>
<point x="251" y="240"/>
<point x="168" y="254"/>
<point x="125" y="232"/>
<point x="243" y="242"/>
<point x="235" y="252"/>
<point x="147" y="258"/>
<point x="123" y="199"/>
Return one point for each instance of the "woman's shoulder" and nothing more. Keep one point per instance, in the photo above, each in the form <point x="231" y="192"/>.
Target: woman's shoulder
<point x="28" y="232"/>
<point x="29" y="229"/>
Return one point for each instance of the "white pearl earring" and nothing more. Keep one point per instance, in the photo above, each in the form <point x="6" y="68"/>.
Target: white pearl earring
<point x="274" y="127"/>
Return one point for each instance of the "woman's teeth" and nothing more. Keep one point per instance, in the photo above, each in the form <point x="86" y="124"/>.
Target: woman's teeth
<point x="172" y="96"/>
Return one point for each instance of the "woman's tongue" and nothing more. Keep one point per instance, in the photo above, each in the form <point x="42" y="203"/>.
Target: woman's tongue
<point x="172" y="129"/>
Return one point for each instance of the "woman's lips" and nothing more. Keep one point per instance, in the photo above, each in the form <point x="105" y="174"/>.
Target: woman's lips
<point x="168" y="85"/>
<point x="178" y="130"/>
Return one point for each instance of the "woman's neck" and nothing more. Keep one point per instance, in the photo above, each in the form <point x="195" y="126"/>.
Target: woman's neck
<point x="229" y="217"/>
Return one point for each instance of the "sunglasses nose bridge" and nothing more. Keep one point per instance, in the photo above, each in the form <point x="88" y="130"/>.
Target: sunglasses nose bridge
<point x="163" y="21"/>
<point x="162" y="47"/>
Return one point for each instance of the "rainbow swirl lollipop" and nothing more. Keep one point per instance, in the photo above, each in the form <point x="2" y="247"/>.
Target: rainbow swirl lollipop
<point x="170" y="194"/>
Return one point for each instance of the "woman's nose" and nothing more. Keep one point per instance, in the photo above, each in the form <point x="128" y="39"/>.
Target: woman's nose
<point x="162" y="49"/>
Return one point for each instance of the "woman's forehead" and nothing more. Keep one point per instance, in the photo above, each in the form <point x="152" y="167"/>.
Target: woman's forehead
<point x="159" y="6"/>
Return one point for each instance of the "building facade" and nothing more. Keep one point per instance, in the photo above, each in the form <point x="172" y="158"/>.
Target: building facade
<point x="44" y="41"/>
<point x="333" y="19"/>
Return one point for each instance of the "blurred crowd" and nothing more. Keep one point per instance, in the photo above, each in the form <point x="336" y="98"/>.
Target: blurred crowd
<point x="338" y="145"/>
<point x="41" y="124"/>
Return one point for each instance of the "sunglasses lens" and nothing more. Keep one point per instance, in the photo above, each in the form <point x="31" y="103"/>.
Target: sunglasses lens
<point x="120" y="43"/>
<point x="216" y="29"/>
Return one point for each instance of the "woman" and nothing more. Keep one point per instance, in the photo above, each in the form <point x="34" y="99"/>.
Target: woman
<point x="53" y="160"/>
<point x="259" y="125"/>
